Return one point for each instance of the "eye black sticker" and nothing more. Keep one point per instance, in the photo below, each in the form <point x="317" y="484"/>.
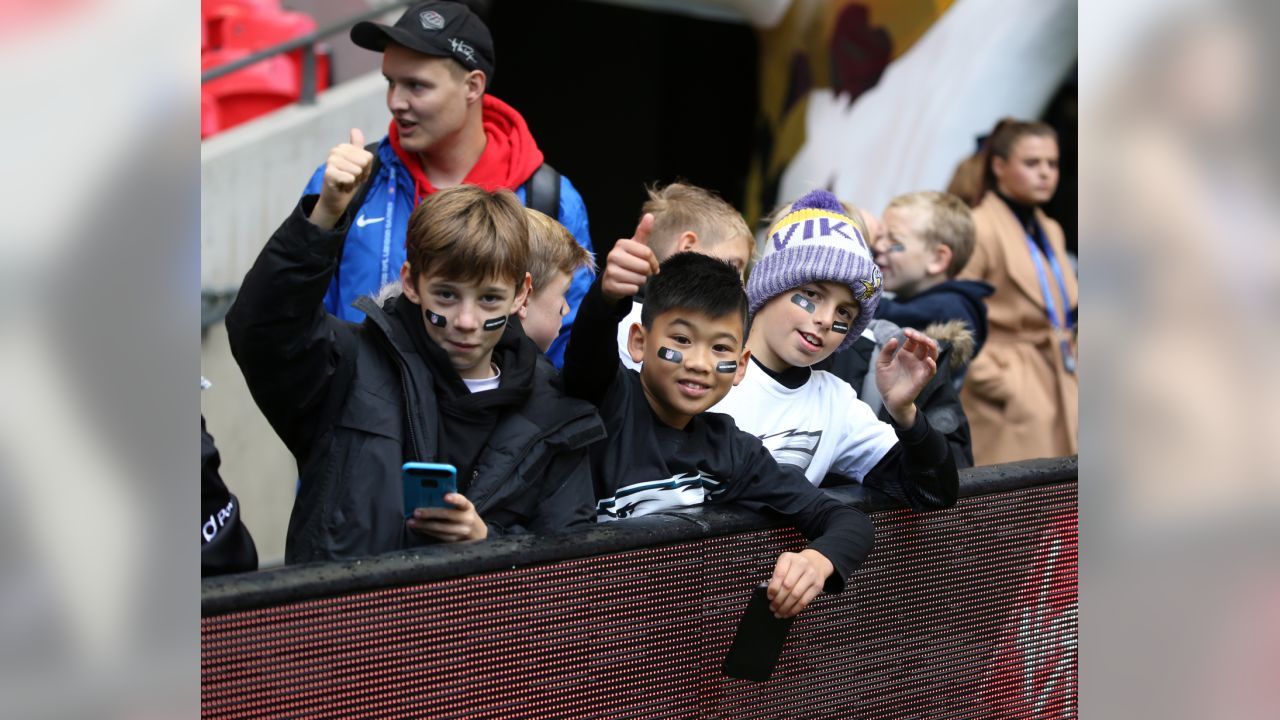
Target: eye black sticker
<point x="670" y="355"/>
<point x="842" y="328"/>
<point x="803" y="302"/>
<point x="495" y="323"/>
<point x="727" y="366"/>
<point x="437" y="320"/>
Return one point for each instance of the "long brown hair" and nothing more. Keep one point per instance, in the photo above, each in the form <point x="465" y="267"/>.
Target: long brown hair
<point x="973" y="177"/>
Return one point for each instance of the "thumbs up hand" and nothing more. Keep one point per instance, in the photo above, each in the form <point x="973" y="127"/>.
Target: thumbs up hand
<point x="344" y="172"/>
<point x="630" y="263"/>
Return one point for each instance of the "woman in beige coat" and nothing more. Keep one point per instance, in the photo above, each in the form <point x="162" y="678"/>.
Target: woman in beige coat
<point x="1021" y="391"/>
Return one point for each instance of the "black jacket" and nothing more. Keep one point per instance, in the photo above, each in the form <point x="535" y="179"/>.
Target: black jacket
<point x="225" y="543"/>
<point x="963" y="300"/>
<point x="354" y="402"/>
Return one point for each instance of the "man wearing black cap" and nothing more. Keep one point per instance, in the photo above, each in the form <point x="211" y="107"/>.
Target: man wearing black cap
<point x="445" y="130"/>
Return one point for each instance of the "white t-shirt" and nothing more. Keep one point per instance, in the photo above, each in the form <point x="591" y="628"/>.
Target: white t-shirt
<point x="624" y="332"/>
<point x="820" y="426"/>
<point x="489" y="383"/>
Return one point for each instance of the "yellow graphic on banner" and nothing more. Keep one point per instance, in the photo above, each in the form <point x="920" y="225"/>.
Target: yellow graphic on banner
<point x="838" y="44"/>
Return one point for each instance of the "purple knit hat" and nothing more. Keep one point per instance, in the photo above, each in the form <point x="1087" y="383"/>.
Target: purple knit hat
<point x="814" y="242"/>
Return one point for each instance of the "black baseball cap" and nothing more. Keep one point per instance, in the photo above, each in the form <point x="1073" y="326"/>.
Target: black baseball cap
<point x="443" y="29"/>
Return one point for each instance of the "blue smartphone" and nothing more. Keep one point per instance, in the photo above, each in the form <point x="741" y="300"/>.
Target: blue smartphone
<point x="426" y="484"/>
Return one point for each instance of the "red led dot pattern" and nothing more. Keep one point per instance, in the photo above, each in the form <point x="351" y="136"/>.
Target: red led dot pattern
<point x="969" y="612"/>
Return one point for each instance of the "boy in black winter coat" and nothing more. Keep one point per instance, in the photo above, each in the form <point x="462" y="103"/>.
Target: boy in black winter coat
<point x="439" y="373"/>
<point x="664" y="452"/>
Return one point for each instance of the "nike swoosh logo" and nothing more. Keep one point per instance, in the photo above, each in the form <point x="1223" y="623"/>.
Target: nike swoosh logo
<point x="362" y="221"/>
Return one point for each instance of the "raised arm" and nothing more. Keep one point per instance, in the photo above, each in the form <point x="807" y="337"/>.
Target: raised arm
<point x="920" y="470"/>
<point x="288" y="348"/>
<point x="591" y="361"/>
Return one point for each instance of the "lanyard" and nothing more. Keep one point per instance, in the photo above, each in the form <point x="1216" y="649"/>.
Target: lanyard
<point x="1059" y="323"/>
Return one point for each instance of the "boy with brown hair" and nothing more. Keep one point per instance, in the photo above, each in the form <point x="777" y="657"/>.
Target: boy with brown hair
<point x="554" y="257"/>
<point x="664" y="452"/>
<point x="437" y="372"/>
<point x="687" y="218"/>
<point x="929" y="237"/>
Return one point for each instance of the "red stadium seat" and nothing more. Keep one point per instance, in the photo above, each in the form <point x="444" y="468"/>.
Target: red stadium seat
<point x="233" y="29"/>
<point x="247" y="93"/>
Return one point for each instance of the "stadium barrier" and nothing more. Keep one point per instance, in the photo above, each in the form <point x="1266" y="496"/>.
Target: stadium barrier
<point x="969" y="612"/>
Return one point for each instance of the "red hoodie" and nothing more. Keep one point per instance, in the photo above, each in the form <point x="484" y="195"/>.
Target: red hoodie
<point x="510" y="154"/>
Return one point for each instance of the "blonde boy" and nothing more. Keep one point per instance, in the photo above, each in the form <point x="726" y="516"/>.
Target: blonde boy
<point x="929" y="236"/>
<point x="687" y="218"/>
<point x="554" y="257"/>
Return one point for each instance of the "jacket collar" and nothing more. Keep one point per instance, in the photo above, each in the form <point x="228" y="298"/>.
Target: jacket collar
<point x="1013" y="238"/>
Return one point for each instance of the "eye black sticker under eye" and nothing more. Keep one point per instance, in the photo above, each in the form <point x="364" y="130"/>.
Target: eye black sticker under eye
<point x="803" y="302"/>
<point x="840" y="327"/>
<point x="670" y="355"/>
<point x="437" y="320"/>
<point x="727" y="366"/>
<point x="495" y="323"/>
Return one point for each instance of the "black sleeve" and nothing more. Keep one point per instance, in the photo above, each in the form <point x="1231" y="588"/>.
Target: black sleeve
<point x="940" y="403"/>
<point x="842" y="533"/>
<point x="919" y="470"/>
<point x="591" y="363"/>
<point x="287" y="346"/>
<point x="225" y="543"/>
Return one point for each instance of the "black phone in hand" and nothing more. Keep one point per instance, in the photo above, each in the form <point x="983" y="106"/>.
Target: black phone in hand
<point x="759" y="641"/>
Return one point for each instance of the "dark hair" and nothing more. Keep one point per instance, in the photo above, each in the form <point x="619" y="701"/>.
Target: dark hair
<point x="973" y="176"/>
<point x="693" y="281"/>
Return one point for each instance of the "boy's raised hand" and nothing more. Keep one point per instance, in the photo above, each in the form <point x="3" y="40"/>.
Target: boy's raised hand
<point x="345" y="170"/>
<point x="900" y="377"/>
<point x="461" y="522"/>
<point x="630" y="263"/>
<point x="797" y="580"/>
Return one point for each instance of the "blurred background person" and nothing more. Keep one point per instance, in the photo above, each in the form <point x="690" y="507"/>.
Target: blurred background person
<point x="1021" y="392"/>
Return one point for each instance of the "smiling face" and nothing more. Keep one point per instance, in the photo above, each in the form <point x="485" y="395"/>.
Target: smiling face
<point x="464" y="309"/>
<point x="546" y="310"/>
<point x="428" y="96"/>
<point x="798" y="327"/>
<point x="679" y="388"/>
<point x="1030" y="173"/>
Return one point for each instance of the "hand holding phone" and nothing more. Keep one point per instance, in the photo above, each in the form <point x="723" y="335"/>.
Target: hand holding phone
<point x="433" y="506"/>
<point x="759" y="641"/>
<point x="426" y="484"/>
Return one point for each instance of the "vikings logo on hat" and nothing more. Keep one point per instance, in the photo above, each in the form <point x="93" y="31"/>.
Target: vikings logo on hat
<point x="869" y="288"/>
<point x="437" y="320"/>
<point x="495" y="323"/>
<point x="670" y="355"/>
<point x="803" y="302"/>
<point x="816" y="241"/>
<point x="727" y="366"/>
<point x="431" y="20"/>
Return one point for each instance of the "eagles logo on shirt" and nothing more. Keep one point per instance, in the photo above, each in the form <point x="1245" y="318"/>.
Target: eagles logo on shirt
<point x="793" y="447"/>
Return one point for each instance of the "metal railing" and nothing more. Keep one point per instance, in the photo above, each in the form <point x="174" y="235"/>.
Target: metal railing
<point x="307" y="44"/>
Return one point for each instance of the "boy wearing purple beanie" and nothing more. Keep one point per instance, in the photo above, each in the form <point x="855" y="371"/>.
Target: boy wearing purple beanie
<point x="812" y="293"/>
